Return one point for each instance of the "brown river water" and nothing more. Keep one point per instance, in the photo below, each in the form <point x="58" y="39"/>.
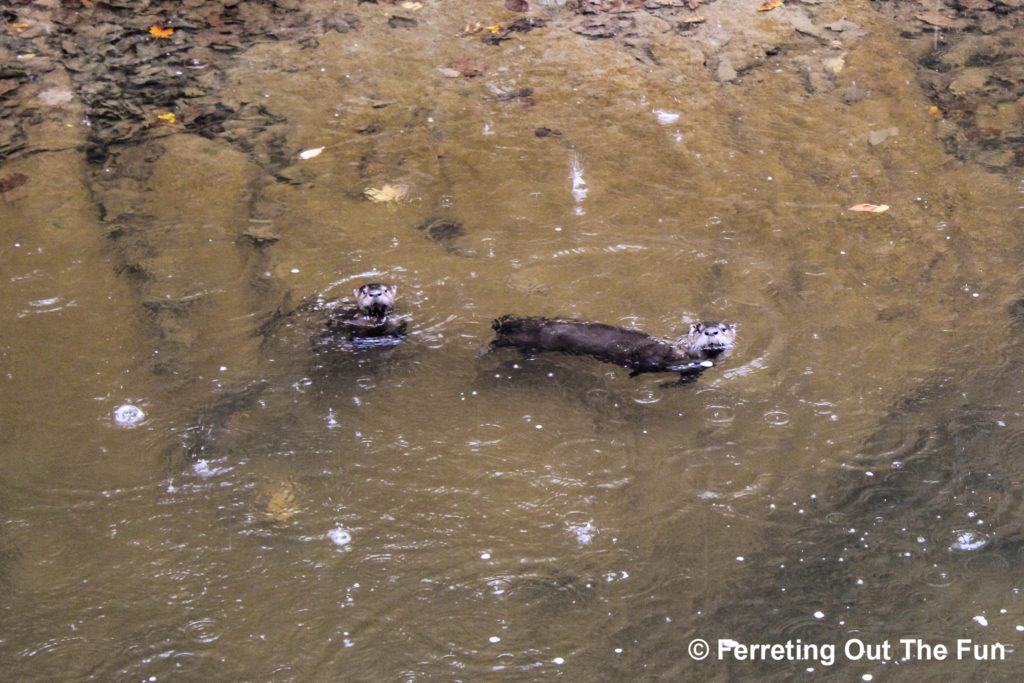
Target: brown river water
<point x="849" y="479"/>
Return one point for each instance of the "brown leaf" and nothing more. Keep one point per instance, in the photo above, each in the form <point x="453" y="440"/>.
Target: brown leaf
<point x="218" y="20"/>
<point x="517" y="5"/>
<point x="9" y="182"/>
<point x="467" y="67"/>
<point x="8" y="84"/>
<point x="935" y="19"/>
<point x="610" y="6"/>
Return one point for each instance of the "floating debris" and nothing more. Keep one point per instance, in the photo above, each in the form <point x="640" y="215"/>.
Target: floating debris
<point x="310" y="153"/>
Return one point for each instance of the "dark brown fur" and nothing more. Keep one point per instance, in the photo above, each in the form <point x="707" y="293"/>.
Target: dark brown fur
<point x="640" y="352"/>
<point x="372" y="319"/>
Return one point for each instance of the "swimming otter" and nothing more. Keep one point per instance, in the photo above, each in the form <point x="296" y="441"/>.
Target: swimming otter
<point x="371" y="322"/>
<point x="689" y="354"/>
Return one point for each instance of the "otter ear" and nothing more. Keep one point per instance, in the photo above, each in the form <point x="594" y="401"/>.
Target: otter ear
<point x="355" y="292"/>
<point x="696" y="328"/>
<point x="391" y="289"/>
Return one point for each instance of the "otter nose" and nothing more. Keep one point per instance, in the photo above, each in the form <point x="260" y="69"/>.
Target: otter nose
<point x="711" y="331"/>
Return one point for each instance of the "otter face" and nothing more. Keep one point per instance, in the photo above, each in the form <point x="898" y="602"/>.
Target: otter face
<point x="375" y="300"/>
<point x="708" y="337"/>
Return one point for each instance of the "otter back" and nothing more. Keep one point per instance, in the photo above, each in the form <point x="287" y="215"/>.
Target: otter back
<point x="630" y="348"/>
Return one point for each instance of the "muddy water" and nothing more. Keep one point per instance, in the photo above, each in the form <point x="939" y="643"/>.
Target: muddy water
<point x="420" y="511"/>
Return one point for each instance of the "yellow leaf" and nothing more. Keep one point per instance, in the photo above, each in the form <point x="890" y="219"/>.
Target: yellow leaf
<point x="935" y="112"/>
<point x="694" y="20"/>
<point x="870" y="208"/>
<point x="169" y="117"/>
<point x="386" y="193"/>
<point x="494" y="29"/>
<point x="770" y="5"/>
<point x="158" y="32"/>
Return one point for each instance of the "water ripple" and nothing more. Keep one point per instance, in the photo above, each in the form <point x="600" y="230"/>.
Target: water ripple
<point x="204" y="630"/>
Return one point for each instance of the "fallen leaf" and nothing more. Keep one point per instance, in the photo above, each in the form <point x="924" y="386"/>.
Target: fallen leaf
<point x="218" y="20"/>
<point x="694" y="20"/>
<point x="494" y="29"/>
<point x="169" y="117"/>
<point x="87" y="4"/>
<point x="468" y="67"/>
<point x="310" y="153"/>
<point x="412" y="6"/>
<point x="470" y="29"/>
<point x="449" y="73"/>
<point x="770" y="5"/>
<point x="386" y="193"/>
<point x="9" y="182"/>
<point x="517" y="5"/>
<point x="158" y="32"/>
<point x="870" y="208"/>
<point x="8" y="84"/>
<point x="935" y="19"/>
<point x="935" y="112"/>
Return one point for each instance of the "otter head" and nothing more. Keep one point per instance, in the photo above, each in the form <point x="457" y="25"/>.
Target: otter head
<point x="375" y="300"/>
<point x="707" y="340"/>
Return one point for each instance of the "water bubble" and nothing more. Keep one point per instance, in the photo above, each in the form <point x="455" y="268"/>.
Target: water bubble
<point x="128" y="415"/>
<point x="339" y="536"/>
<point x="968" y="540"/>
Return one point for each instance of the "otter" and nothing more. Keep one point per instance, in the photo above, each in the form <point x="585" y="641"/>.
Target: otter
<point x="689" y="354"/>
<point x="371" y="322"/>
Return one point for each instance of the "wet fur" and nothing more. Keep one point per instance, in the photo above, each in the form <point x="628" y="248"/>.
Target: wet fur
<point x="373" y="317"/>
<point x="689" y="354"/>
